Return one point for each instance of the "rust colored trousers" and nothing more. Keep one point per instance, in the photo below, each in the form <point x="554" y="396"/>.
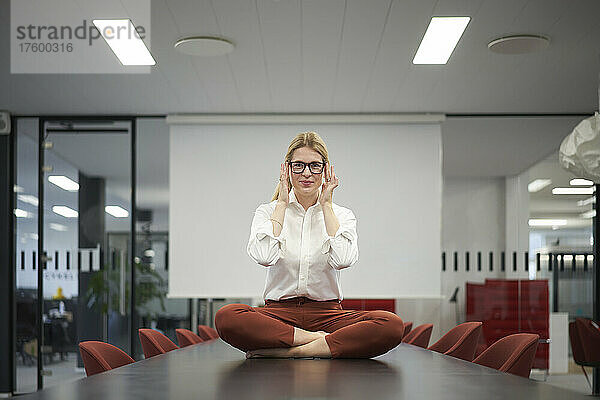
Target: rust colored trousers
<point x="353" y="334"/>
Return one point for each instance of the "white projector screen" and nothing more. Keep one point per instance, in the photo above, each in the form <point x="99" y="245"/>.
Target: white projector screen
<point x="390" y="177"/>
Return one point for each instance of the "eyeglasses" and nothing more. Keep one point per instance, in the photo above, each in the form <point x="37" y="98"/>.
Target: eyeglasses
<point x="315" y="167"/>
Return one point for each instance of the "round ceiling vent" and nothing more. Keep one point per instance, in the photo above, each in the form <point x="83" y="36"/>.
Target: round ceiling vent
<point x="204" y="46"/>
<point x="519" y="44"/>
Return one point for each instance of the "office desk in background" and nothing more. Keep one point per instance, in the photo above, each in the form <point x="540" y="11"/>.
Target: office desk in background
<point x="215" y="370"/>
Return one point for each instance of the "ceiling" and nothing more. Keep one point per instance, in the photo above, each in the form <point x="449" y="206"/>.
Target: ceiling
<point x="334" y="56"/>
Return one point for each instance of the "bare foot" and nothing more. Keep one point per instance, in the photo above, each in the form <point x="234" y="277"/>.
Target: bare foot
<point x="316" y="348"/>
<point x="302" y="337"/>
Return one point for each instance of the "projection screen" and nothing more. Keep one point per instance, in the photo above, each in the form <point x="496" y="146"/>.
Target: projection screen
<point x="390" y="177"/>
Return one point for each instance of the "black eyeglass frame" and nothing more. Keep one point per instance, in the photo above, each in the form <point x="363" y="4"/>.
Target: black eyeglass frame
<point x="322" y="167"/>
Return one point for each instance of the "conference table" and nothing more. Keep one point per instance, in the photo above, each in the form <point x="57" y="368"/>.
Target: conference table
<point x="215" y="370"/>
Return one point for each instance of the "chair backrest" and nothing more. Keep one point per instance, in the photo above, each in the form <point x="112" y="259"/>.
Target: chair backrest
<point x="589" y="336"/>
<point x="576" y="346"/>
<point x="513" y="354"/>
<point x="185" y="337"/>
<point x="460" y="341"/>
<point x="407" y="328"/>
<point x="99" y="357"/>
<point x="155" y="343"/>
<point x="419" y="336"/>
<point x="207" y="333"/>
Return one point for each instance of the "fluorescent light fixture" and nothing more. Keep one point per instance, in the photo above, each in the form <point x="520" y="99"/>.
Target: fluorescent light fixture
<point x="589" y="200"/>
<point x="58" y="227"/>
<point x="580" y="182"/>
<point x="569" y="190"/>
<point x="18" y="189"/>
<point x="538" y="184"/>
<point x="124" y="41"/>
<point x="65" y="211"/>
<point x="588" y="214"/>
<point x="441" y="37"/>
<point x="547" y="222"/>
<point x="64" y="183"/>
<point x="22" y="213"/>
<point x="26" y="198"/>
<point x="116" y="211"/>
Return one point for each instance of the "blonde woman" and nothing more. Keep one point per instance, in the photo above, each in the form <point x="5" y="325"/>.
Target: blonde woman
<point x="305" y="239"/>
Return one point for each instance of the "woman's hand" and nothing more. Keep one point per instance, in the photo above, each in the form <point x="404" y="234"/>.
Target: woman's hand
<point x="330" y="183"/>
<point x="284" y="196"/>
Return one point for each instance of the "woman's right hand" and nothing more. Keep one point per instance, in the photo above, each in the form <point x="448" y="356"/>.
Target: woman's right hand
<point x="283" y="184"/>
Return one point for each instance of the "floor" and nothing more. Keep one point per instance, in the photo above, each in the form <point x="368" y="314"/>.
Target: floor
<point x="61" y="372"/>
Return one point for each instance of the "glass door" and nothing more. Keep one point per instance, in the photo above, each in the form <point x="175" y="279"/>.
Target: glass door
<point x="86" y="192"/>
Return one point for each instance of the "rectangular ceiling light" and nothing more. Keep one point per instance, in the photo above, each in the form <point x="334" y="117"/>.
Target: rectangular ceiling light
<point x="577" y="190"/>
<point x="26" y="198"/>
<point x="588" y="214"/>
<point x="58" y="227"/>
<point x="124" y="41"/>
<point x="64" y="183"/>
<point x="538" y="184"/>
<point x="441" y="37"/>
<point x="589" y="200"/>
<point x="65" y="211"/>
<point x="116" y="211"/>
<point x="547" y="222"/>
<point x="580" y="182"/>
<point x="22" y="213"/>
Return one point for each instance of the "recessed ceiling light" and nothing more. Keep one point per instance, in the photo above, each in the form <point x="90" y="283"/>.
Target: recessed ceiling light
<point x="116" y="211"/>
<point x="122" y="37"/>
<point x="65" y="211"/>
<point x="588" y="214"/>
<point x="58" y="227"/>
<point x="26" y="198"/>
<point x="547" y="222"/>
<point x="580" y="182"/>
<point x="64" y="183"/>
<point x="569" y="190"/>
<point x="589" y="200"/>
<point x="22" y="213"/>
<point x="519" y="44"/>
<point x="205" y="46"/>
<point x="538" y="184"/>
<point x="441" y="37"/>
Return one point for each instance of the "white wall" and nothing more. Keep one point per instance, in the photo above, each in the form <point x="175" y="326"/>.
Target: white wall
<point x="390" y="176"/>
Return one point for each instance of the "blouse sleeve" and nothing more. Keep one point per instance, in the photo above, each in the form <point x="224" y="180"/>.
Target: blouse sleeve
<point x="343" y="246"/>
<point x="263" y="246"/>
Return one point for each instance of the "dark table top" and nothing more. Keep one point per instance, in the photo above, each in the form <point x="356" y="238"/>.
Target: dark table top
<point x="215" y="370"/>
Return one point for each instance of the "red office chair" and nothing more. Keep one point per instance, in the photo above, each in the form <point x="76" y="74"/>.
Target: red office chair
<point x="407" y="328"/>
<point x="100" y="357"/>
<point x="585" y="344"/>
<point x="513" y="354"/>
<point x="460" y="342"/>
<point x="155" y="343"/>
<point x="207" y="333"/>
<point x="185" y="337"/>
<point x="419" y="336"/>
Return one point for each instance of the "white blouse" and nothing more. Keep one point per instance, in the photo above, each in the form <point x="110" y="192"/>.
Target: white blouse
<point x="303" y="260"/>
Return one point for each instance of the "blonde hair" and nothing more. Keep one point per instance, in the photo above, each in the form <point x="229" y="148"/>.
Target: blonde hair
<point x="311" y="140"/>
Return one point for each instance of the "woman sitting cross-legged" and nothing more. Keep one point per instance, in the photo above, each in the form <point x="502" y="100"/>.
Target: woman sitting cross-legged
<point x="304" y="239"/>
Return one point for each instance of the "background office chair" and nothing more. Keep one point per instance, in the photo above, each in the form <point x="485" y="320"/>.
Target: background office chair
<point x="155" y="343"/>
<point x="185" y="337"/>
<point x="513" y="354"/>
<point x="584" y="335"/>
<point x="419" y="336"/>
<point x="99" y="357"/>
<point x="207" y="333"/>
<point x="407" y="328"/>
<point x="460" y="341"/>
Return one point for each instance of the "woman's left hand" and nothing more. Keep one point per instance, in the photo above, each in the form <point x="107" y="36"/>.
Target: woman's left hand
<point x="331" y="182"/>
